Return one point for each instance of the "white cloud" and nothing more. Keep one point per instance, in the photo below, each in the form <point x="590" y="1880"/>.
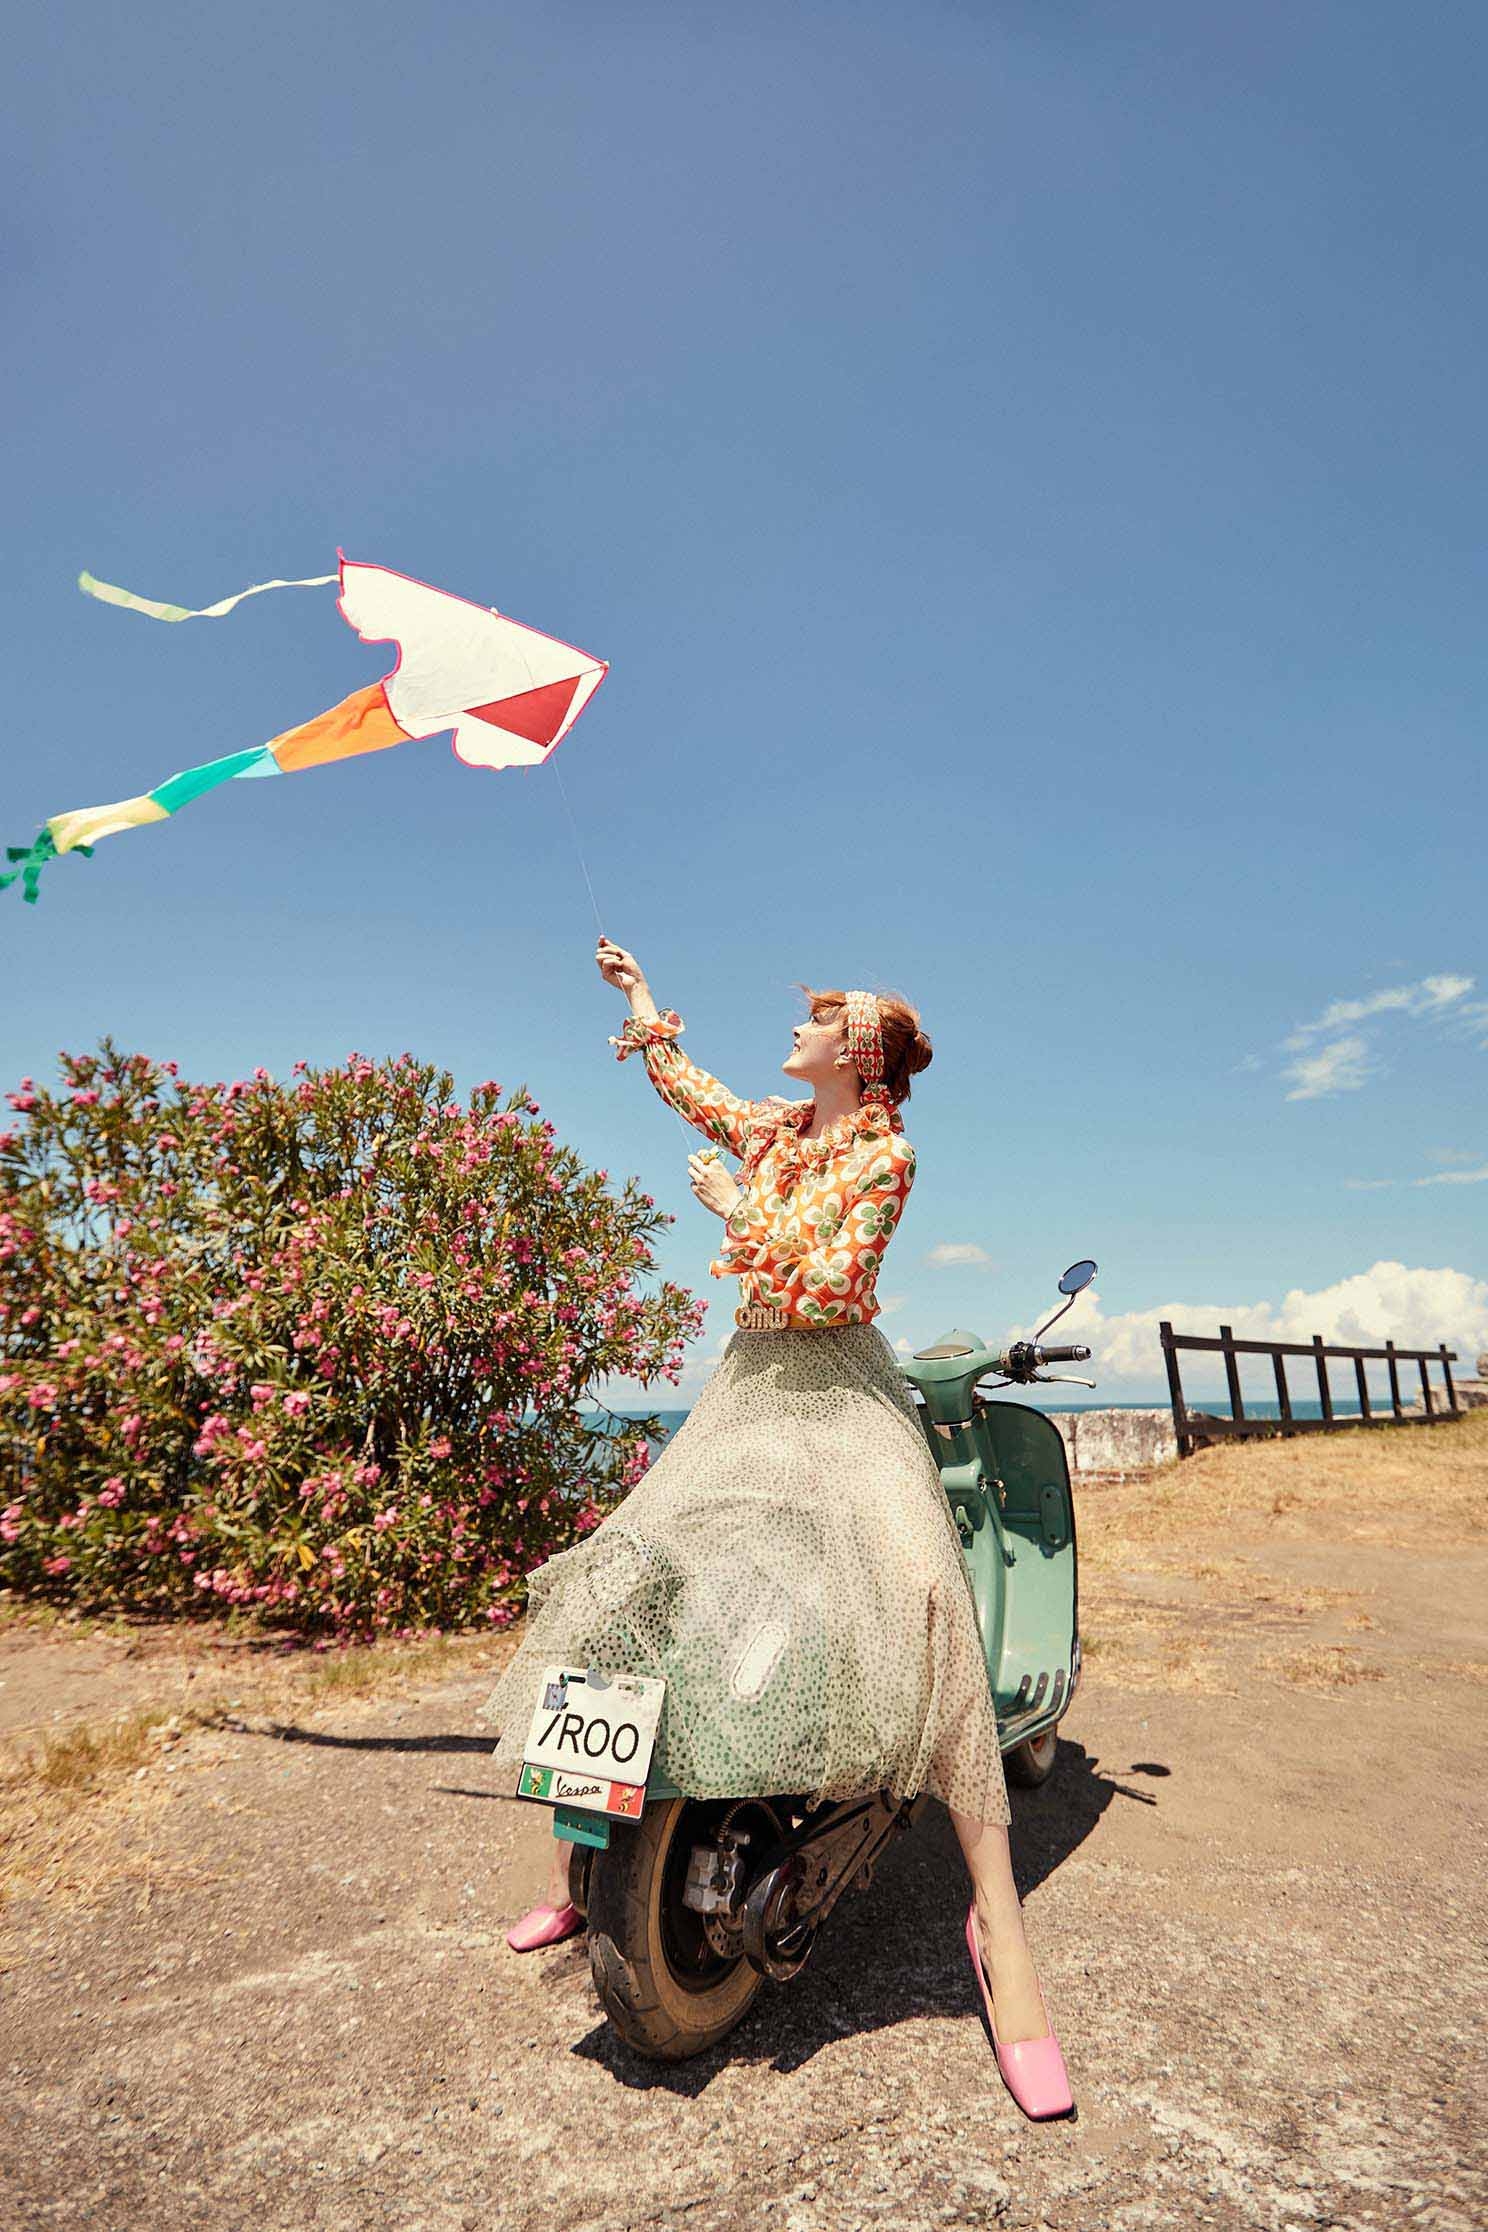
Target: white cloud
<point x="1429" y="997"/>
<point x="888" y="1303"/>
<point x="1476" y="1177"/>
<point x="1339" y="1067"/>
<point x="957" y="1251"/>
<point x="1414" y="1307"/>
<point x="1343" y="1061"/>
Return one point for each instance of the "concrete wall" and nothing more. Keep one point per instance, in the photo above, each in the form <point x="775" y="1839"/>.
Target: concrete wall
<point x="1115" y="1441"/>
<point x="1472" y="1394"/>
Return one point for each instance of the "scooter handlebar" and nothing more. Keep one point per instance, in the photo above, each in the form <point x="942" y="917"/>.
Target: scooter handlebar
<point x="1023" y="1359"/>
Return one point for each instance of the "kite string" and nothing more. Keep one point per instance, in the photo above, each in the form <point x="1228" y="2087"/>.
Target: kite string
<point x="682" y="1124"/>
<point x="578" y="847"/>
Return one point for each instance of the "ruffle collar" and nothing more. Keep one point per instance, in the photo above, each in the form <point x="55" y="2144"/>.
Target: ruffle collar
<point x="787" y="1121"/>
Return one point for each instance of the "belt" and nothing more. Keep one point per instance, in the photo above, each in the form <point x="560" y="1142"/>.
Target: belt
<point x="761" y="1317"/>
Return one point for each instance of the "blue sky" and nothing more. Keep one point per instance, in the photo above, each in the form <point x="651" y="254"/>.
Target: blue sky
<point x="1026" y="470"/>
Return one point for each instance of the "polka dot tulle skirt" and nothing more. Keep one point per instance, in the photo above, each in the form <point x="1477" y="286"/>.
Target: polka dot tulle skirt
<point x="789" y="1565"/>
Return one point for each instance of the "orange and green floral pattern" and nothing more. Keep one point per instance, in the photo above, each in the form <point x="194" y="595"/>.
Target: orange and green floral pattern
<point x="809" y="1232"/>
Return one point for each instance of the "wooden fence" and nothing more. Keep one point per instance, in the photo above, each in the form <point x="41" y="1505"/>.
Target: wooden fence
<point x="1194" y="1428"/>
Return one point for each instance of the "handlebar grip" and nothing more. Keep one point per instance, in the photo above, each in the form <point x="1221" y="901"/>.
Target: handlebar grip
<point x="1073" y="1355"/>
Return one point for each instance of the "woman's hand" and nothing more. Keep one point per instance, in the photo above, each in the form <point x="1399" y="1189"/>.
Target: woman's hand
<point x="622" y="969"/>
<point x="715" y="1188"/>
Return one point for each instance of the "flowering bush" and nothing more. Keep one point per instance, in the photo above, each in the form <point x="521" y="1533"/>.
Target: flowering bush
<point x="317" y="1348"/>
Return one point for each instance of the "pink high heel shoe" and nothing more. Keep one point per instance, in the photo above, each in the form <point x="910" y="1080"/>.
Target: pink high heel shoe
<point x="1032" y="2068"/>
<point x="544" y="1925"/>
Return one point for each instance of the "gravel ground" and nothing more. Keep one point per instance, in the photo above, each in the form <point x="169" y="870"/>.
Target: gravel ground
<point x="285" y="2003"/>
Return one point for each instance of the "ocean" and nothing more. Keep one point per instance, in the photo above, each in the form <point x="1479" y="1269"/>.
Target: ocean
<point x="1301" y="1407"/>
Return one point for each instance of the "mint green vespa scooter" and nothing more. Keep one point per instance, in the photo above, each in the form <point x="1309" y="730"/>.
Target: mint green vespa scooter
<point x="692" y="1905"/>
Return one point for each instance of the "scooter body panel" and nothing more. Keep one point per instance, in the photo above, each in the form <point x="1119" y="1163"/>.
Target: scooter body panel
<point x="1031" y="1633"/>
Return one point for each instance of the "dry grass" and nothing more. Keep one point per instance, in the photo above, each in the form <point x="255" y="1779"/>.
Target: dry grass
<point x="1179" y="1589"/>
<point x="65" y="1795"/>
<point x="1324" y="1666"/>
<point x="1135" y="1650"/>
<point x="79" y="1759"/>
<point x="1406" y="1484"/>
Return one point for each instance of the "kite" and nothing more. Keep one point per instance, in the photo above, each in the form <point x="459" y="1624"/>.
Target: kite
<point x="505" y="693"/>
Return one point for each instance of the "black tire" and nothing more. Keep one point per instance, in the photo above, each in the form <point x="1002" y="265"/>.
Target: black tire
<point x="666" y="1992"/>
<point x="1032" y="1762"/>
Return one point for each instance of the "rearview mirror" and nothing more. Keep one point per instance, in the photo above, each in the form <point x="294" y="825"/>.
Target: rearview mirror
<point x="1078" y="1276"/>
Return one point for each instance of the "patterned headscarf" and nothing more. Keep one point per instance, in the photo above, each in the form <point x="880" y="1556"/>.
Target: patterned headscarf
<point x="865" y="1046"/>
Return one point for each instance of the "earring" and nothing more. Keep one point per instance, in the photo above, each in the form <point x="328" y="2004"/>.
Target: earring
<point x="843" y="1061"/>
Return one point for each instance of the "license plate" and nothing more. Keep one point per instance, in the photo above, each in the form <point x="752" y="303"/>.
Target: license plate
<point x="591" y="1740"/>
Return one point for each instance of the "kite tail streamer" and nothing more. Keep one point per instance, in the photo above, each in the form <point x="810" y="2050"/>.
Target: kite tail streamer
<point x="360" y="723"/>
<point x="31" y="859"/>
<point x="106" y="593"/>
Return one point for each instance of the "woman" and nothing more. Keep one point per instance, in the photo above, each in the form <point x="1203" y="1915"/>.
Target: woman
<point x="789" y="1562"/>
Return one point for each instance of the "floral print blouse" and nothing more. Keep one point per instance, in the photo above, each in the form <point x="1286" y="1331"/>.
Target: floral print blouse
<point x="809" y="1231"/>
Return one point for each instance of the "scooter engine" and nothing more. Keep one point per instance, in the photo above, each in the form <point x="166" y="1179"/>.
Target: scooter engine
<point x="718" y="1873"/>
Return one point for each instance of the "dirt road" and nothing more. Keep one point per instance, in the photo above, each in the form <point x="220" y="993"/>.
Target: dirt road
<point x="257" y="1979"/>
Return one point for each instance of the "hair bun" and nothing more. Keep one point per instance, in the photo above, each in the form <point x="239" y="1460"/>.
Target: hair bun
<point x="919" y="1054"/>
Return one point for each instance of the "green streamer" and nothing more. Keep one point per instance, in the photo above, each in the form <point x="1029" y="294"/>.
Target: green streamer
<point x="30" y="860"/>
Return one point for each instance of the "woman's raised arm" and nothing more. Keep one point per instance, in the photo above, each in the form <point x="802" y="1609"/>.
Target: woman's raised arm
<point x="696" y="1095"/>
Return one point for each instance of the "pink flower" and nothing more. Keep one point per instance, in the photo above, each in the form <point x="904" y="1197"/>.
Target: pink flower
<point x="56" y="1565"/>
<point x="213" y="1428"/>
<point x="111" y="1494"/>
<point x="296" y="1405"/>
<point x="43" y="1396"/>
<point x="440" y="1448"/>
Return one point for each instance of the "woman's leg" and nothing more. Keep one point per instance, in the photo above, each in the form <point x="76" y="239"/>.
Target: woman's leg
<point x="557" y="1890"/>
<point x="1005" y="1955"/>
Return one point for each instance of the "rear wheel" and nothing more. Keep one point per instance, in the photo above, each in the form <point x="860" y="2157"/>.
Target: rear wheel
<point x="665" y="1988"/>
<point x="1032" y="1762"/>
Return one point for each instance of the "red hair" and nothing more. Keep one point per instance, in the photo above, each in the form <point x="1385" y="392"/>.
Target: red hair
<point x="906" y="1048"/>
